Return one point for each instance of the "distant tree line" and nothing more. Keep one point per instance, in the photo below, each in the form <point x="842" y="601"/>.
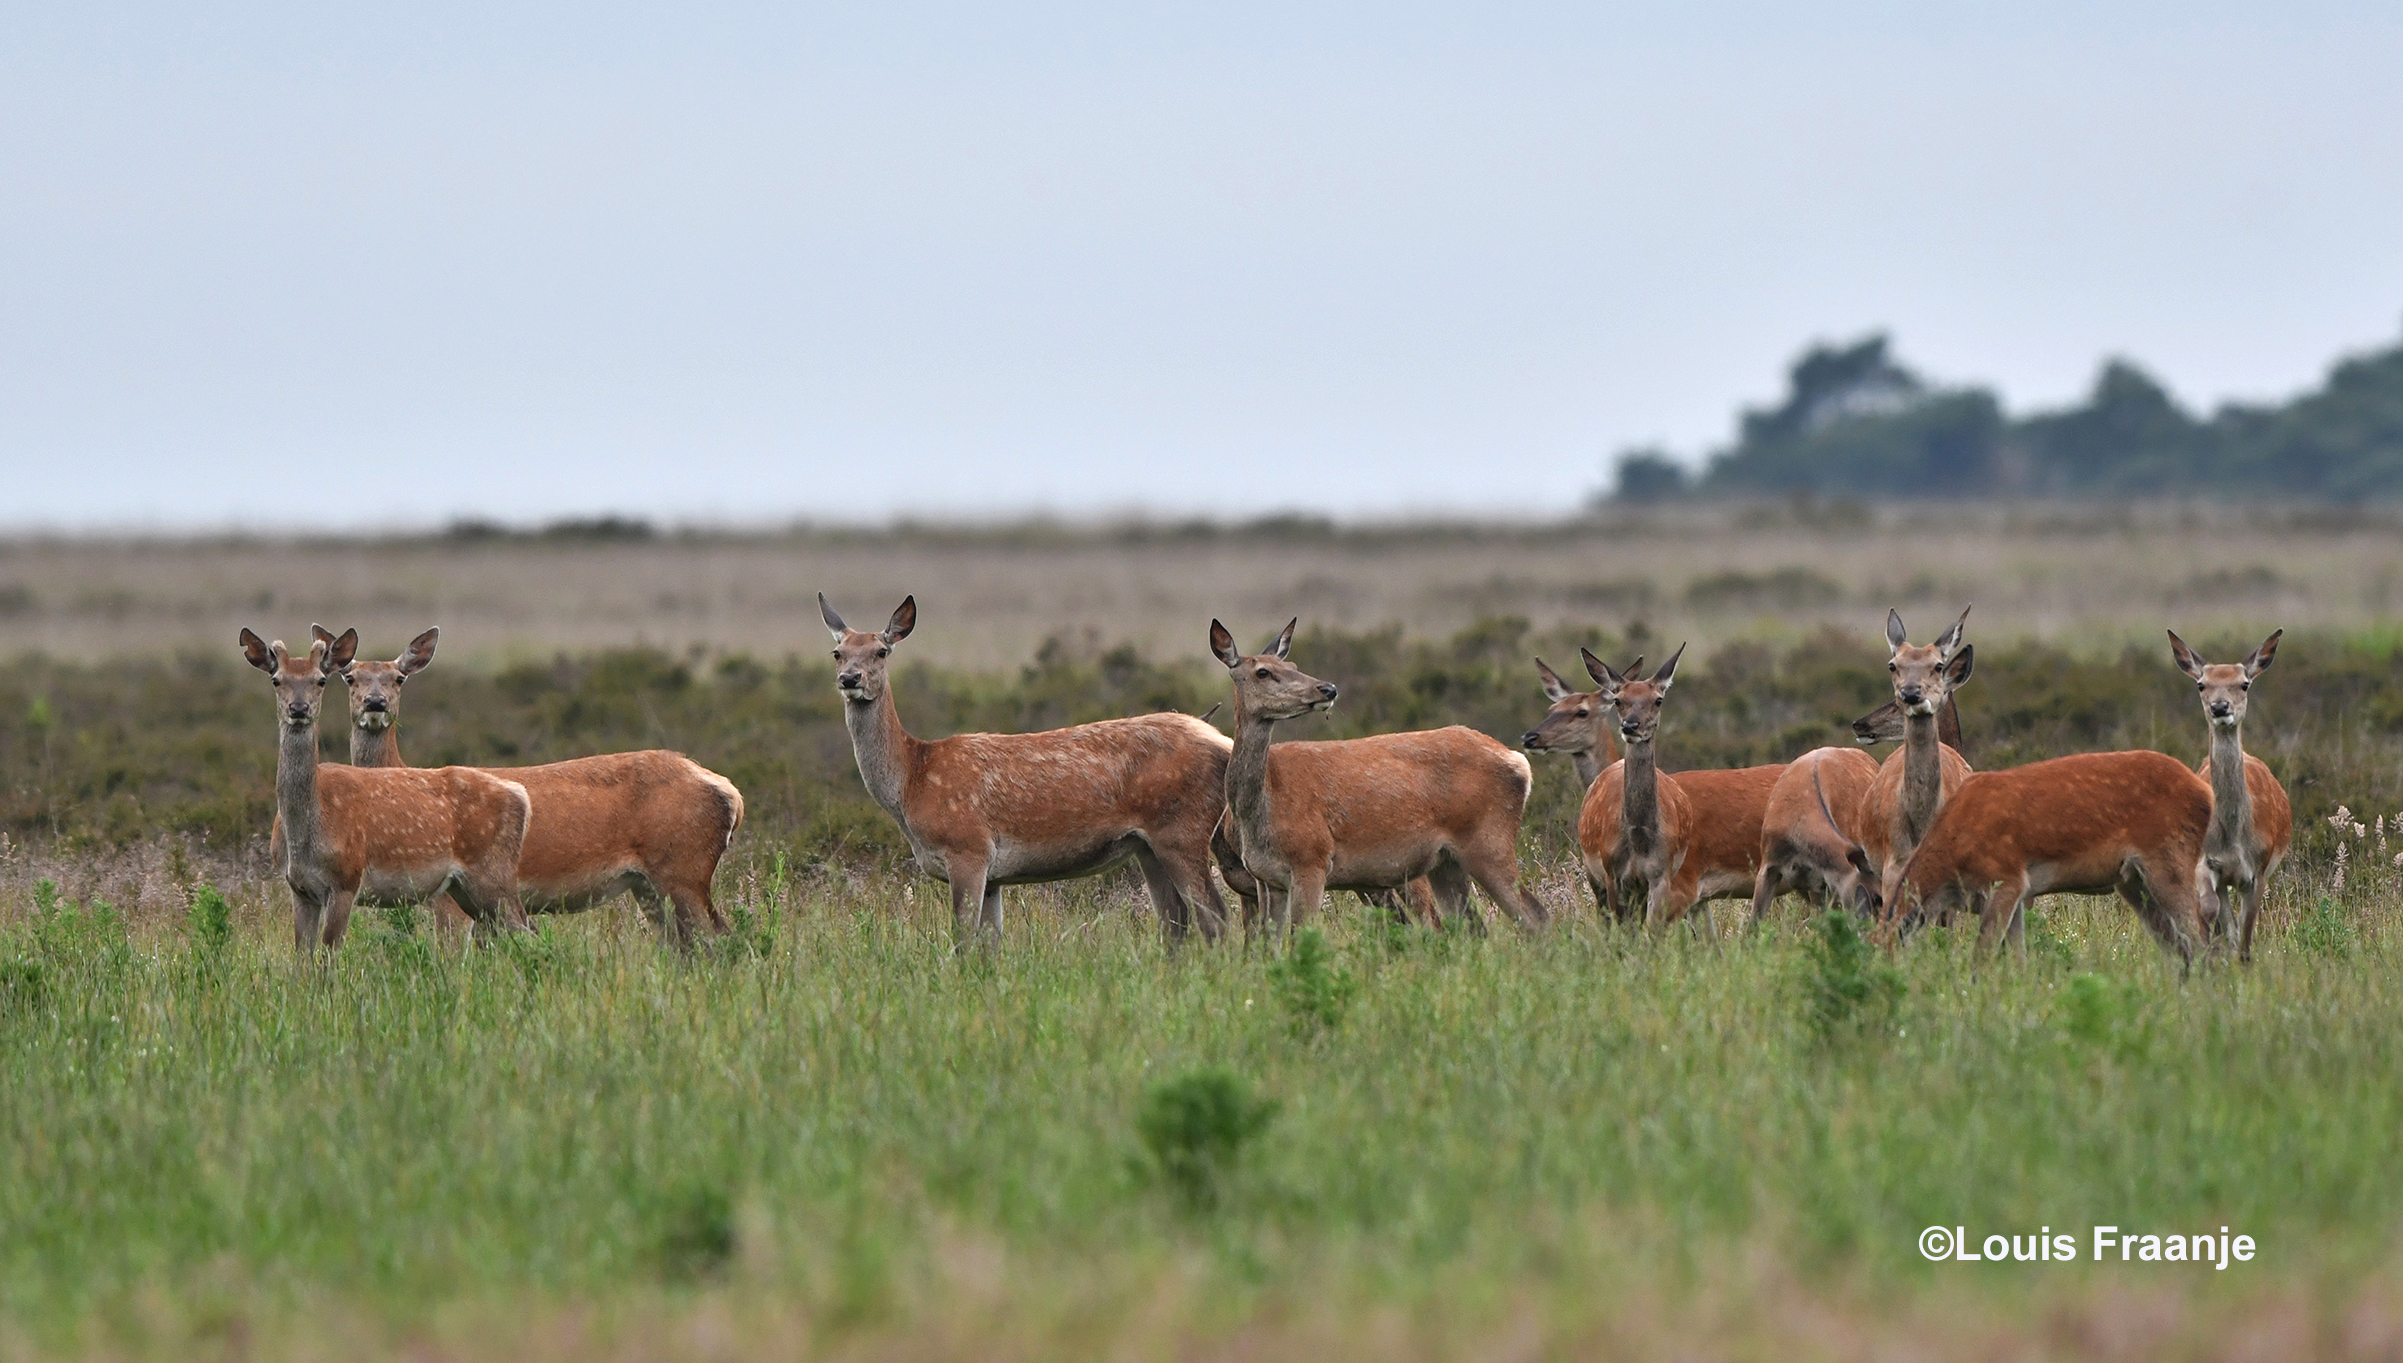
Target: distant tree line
<point x="1857" y="423"/>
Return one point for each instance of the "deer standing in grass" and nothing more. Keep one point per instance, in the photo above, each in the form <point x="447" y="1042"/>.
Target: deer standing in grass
<point x="386" y="834"/>
<point x="986" y="810"/>
<point x="2131" y="823"/>
<point x="1913" y="784"/>
<point x="654" y="823"/>
<point x="1679" y="840"/>
<point x="2251" y="821"/>
<point x="1366" y="813"/>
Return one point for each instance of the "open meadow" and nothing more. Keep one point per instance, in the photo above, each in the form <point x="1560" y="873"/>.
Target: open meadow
<point x="827" y="1134"/>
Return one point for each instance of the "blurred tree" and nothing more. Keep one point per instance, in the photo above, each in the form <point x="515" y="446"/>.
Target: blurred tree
<point x="1650" y="475"/>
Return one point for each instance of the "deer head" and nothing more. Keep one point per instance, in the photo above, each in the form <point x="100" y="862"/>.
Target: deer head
<point x="1569" y="726"/>
<point x="1637" y="701"/>
<point x="1924" y="674"/>
<point x="375" y="687"/>
<point x="860" y="658"/>
<point x="1267" y="686"/>
<point x="299" y="682"/>
<point x="2224" y="687"/>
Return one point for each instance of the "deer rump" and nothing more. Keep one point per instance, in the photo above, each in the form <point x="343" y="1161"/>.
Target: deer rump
<point x="1069" y="802"/>
<point x="1380" y="812"/>
<point x="651" y="822"/>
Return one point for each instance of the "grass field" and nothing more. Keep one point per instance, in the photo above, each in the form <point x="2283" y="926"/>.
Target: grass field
<point x="829" y="1136"/>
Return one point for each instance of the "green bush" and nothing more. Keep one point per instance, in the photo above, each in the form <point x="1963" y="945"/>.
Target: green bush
<point x="1312" y="982"/>
<point x="1849" y="986"/>
<point x="1195" y="1127"/>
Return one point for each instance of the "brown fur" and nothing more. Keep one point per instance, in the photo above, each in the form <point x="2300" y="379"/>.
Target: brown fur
<point x="1713" y="817"/>
<point x="1415" y="900"/>
<point x="2095" y="823"/>
<point x="986" y="810"/>
<point x="653" y="823"/>
<point x="1366" y="813"/>
<point x="390" y="834"/>
<point x="2251" y="822"/>
<point x="1915" y="781"/>
<point x="1811" y="833"/>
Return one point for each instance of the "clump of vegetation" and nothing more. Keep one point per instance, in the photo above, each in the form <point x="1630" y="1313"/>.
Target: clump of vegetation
<point x="1196" y="1127"/>
<point x="696" y="1235"/>
<point x="210" y="924"/>
<point x="2105" y="1014"/>
<point x="1312" y="982"/>
<point x="2324" y="928"/>
<point x="1849" y="987"/>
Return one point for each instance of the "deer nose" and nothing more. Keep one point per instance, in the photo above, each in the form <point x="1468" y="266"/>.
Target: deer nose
<point x="847" y="680"/>
<point x="1533" y="738"/>
<point x="1327" y="689"/>
<point x="376" y="705"/>
<point x="2220" y="709"/>
<point x="1912" y="695"/>
<point x="1629" y="728"/>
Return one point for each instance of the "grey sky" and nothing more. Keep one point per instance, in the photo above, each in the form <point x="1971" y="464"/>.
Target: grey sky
<point x="339" y="265"/>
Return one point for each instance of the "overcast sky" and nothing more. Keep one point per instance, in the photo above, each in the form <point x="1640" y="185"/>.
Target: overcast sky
<point x="345" y="264"/>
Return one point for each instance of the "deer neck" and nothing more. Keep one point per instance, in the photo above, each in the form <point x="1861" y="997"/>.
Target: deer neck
<point x="376" y="747"/>
<point x="1247" y="775"/>
<point x="1589" y="766"/>
<point x="2231" y="799"/>
<point x="1639" y="798"/>
<point x="1922" y="774"/>
<point x="887" y="755"/>
<point x="296" y="792"/>
<point x="1597" y="754"/>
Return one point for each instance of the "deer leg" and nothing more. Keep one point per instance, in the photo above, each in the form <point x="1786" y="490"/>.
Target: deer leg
<point x="1766" y="887"/>
<point x="1499" y="878"/>
<point x="337" y="914"/>
<point x="307" y="913"/>
<point x="2244" y="929"/>
<point x="1303" y="894"/>
<point x="967" y="899"/>
<point x="1448" y="887"/>
<point x="1203" y="908"/>
<point x="1669" y="896"/>
<point x="2169" y="905"/>
<point x="654" y="907"/>
<point x="1166" y="899"/>
<point x="1421" y="894"/>
<point x="2004" y="901"/>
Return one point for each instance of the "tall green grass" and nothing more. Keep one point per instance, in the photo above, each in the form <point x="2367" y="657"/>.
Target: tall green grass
<point x="196" y="1127"/>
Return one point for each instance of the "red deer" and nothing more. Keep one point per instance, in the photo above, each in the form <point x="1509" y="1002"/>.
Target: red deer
<point x="1678" y="840"/>
<point x="388" y="834"/>
<point x="1366" y="813"/>
<point x="1579" y="723"/>
<point x="2251" y="822"/>
<point x="986" y="810"/>
<point x="1416" y="899"/>
<point x="1885" y="725"/>
<point x="1811" y="834"/>
<point x="654" y="823"/>
<point x="1912" y="786"/>
<point x="2096" y="823"/>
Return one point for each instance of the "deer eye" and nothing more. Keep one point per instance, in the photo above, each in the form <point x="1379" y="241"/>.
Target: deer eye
<point x="1890" y="667"/>
<point x="1260" y="672"/>
<point x="884" y="653"/>
<point x="1582" y="712"/>
<point x="2244" y="686"/>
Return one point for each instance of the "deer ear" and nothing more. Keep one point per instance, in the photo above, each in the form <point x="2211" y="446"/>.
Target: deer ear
<point x="1600" y="671"/>
<point x="2259" y="660"/>
<point x="1951" y="638"/>
<point x="1222" y="646"/>
<point x="318" y="652"/>
<point x="1896" y="636"/>
<point x="1963" y="663"/>
<point x="2184" y="657"/>
<point x="338" y="653"/>
<point x="322" y="635"/>
<point x="1554" y="687"/>
<point x="1668" y="670"/>
<point x="833" y="621"/>
<point x="256" y="653"/>
<point x="419" y="652"/>
<point x="905" y="619"/>
<point x="1283" y="647"/>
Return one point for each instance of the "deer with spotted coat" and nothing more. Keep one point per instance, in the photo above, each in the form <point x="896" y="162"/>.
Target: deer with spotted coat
<point x="386" y="834"/>
<point x="982" y="811"/>
<point x="1365" y="813"/>
<point x="2251" y="822"/>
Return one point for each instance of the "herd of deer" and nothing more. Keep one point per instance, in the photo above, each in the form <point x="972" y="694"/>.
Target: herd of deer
<point x="1409" y="820"/>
